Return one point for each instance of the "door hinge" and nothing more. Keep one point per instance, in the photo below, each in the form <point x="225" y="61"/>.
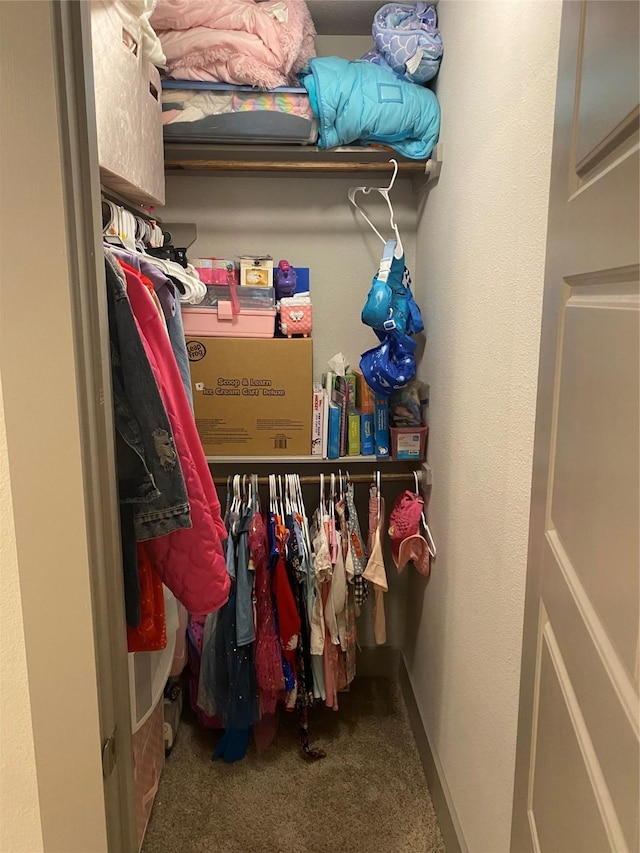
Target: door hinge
<point x="109" y="754"/>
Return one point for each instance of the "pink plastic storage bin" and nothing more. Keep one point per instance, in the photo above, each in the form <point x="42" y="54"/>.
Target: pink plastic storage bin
<point x="217" y="271"/>
<point x="409" y="442"/>
<point x="221" y="322"/>
<point x="148" y="761"/>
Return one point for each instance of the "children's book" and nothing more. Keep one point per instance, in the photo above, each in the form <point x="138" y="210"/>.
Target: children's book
<point x="325" y="422"/>
<point x="381" y="431"/>
<point x="367" y="446"/>
<point x="317" y="419"/>
<point x="365" y="397"/>
<point x="333" y="445"/>
<point x="353" y="446"/>
<point x="340" y="397"/>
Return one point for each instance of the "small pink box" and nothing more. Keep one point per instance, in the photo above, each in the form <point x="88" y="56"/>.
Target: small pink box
<point x="217" y="271"/>
<point x="220" y="322"/>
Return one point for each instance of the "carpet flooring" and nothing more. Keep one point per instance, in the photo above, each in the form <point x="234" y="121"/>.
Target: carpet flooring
<point x="367" y="796"/>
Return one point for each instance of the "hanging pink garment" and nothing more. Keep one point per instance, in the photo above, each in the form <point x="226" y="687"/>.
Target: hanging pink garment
<point x="268" y="652"/>
<point x="189" y="561"/>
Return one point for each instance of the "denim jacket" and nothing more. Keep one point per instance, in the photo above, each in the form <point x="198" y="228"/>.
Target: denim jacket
<point x="149" y="473"/>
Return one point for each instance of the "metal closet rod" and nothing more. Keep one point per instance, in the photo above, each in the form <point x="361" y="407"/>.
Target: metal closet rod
<point x="391" y="477"/>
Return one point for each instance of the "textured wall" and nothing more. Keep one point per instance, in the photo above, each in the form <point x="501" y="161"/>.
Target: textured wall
<point x="480" y="256"/>
<point x="20" y="829"/>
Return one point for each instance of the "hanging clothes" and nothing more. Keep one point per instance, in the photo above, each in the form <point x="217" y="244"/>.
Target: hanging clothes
<point x="298" y="644"/>
<point x="165" y="290"/>
<point x="189" y="561"/>
<point x="150" y="635"/>
<point x="375" y="571"/>
<point x="151" y="487"/>
<point x="268" y="654"/>
<point x="359" y="553"/>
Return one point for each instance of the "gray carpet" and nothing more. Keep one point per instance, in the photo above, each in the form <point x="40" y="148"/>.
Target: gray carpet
<point x="367" y="796"/>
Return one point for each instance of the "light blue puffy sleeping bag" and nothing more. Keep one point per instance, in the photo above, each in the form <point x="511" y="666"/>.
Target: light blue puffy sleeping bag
<point x="359" y="102"/>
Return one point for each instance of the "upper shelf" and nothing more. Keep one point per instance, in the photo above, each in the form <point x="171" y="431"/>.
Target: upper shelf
<point x="206" y="158"/>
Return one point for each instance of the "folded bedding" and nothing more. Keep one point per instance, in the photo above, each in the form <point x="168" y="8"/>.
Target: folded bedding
<point x="362" y="103"/>
<point x="235" y="41"/>
<point x="189" y="106"/>
<point x="193" y="111"/>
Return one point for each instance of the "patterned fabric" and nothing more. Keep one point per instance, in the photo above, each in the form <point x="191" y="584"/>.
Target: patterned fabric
<point x="351" y="636"/>
<point x="408" y="38"/>
<point x="358" y="550"/>
<point x="360" y="590"/>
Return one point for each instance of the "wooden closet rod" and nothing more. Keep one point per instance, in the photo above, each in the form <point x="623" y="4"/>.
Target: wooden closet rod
<point x="417" y="167"/>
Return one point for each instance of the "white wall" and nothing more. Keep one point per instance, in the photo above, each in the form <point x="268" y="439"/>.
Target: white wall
<point x="20" y="830"/>
<point x="480" y="256"/>
<point x="50" y="623"/>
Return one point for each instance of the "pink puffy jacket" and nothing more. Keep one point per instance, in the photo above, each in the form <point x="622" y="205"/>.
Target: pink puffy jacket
<point x="189" y="561"/>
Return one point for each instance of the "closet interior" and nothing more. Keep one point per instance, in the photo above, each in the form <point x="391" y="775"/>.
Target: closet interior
<point x="169" y="206"/>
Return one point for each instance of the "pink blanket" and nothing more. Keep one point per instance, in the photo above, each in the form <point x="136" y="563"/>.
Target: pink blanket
<point x="235" y="41"/>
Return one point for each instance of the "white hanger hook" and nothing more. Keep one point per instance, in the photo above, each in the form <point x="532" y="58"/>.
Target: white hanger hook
<point x="384" y="192"/>
<point x="394" y="175"/>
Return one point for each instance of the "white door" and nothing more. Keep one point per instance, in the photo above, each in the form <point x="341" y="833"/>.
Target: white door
<point x="576" y="785"/>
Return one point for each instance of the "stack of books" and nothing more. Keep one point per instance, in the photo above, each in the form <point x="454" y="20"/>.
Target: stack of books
<point x="348" y="418"/>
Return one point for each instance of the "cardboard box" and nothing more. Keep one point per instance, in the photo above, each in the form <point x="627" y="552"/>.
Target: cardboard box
<point x="252" y="397"/>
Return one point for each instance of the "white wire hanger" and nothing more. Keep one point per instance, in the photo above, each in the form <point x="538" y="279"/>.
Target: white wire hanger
<point x="384" y="192"/>
<point x="431" y="545"/>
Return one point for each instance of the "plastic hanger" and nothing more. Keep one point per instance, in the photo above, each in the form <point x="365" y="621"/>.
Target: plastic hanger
<point x="431" y="545"/>
<point x="235" y="506"/>
<point x="306" y="534"/>
<point x="384" y="192"/>
<point x="280" y="501"/>
<point x="272" y="505"/>
<point x="227" y="505"/>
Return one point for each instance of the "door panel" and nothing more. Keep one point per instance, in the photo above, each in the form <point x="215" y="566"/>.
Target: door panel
<point x="562" y="740"/>
<point x="609" y="715"/>
<point x="578" y="750"/>
<point x="595" y="503"/>
<point x="608" y="79"/>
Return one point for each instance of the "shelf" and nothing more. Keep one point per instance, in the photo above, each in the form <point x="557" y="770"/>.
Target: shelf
<point x="304" y="460"/>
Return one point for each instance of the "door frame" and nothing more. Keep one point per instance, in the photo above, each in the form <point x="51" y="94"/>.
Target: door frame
<point x="82" y="200"/>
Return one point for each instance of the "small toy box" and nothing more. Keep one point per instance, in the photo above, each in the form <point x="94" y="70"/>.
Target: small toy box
<point x="254" y="315"/>
<point x="256" y="270"/>
<point x="296" y="316"/>
<point x="217" y="270"/>
<point x="409" y="442"/>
